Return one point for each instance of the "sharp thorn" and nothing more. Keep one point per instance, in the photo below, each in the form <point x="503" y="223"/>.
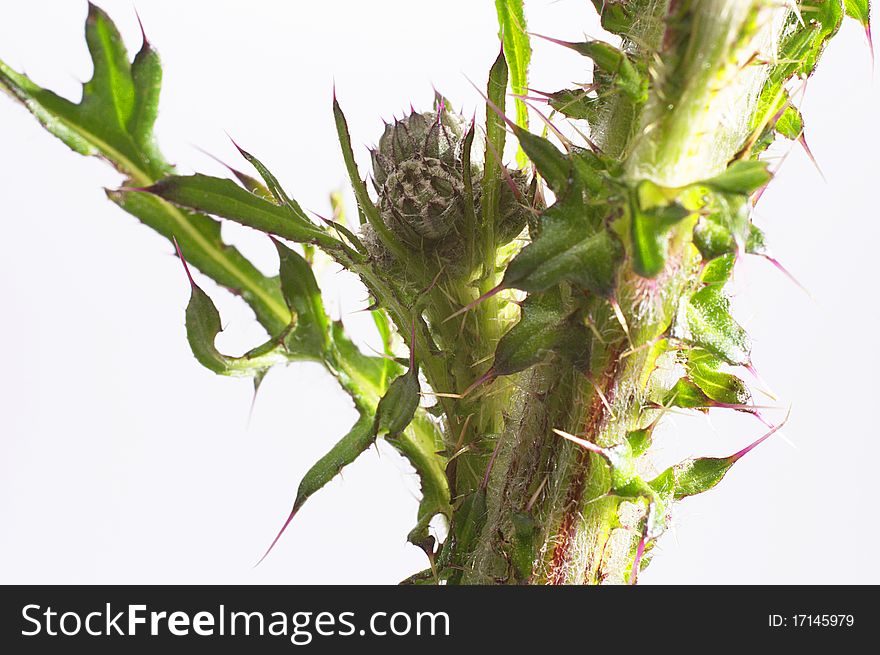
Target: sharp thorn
<point x="183" y="261"/>
<point x="278" y="536"/>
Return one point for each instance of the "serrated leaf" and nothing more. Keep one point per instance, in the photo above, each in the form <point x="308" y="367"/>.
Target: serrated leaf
<point x="616" y="64"/>
<point x="399" y="404"/>
<point x="687" y="395"/>
<point x="553" y="165"/>
<point x="146" y="75"/>
<point x="114" y="121"/>
<point x="718" y="270"/>
<point x="790" y="123"/>
<point x="311" y="330"/>
<point x="525" y="535"/>
<point x="756" y="242"/>
<point x="741" y="177"/>
<point x="518" y="53"/>
<point x="199" y="239"/>
<point x="724" y="228"/>
<point x="104" y="123"/>
<point x="366" y="206"/>
<point x="420" y="444"/>
<point x="568" y="249"/>
<point x="544" y="327"/>
<point x="859" y="9"/>
<point x="710" y="325"/>
<point x="719" y="386"/>
<point x="618" y="17"/>
<point x="496" y="134"/>
<point x="359" y="438"/>
<point x="574" y="103"/>
<point x="222" y="197"/>
<point x="648" y="234"/>
<point x="364" y="377"/>
<point x="202" y="327"/>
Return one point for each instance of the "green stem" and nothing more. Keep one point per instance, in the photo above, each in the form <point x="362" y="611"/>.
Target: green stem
<point x="578" y="533"/>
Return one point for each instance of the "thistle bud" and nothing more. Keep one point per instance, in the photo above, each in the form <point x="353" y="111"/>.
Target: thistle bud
<point x="423" y="199"/>
<point x="418" y="172"/>
<point x="437" y="135"/>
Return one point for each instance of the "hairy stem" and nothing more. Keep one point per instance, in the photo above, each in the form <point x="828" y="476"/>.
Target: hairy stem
<point x="704" y="62"/>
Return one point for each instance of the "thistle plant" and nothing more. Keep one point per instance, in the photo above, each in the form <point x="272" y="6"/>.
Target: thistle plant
<point x="539" y="317"/>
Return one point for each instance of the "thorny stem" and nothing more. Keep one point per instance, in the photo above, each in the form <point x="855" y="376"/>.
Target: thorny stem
<point x="683" y="134"/>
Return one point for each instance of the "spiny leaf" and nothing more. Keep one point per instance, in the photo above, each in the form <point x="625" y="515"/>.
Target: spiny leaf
<point x="718" y="270"/>
<point x="202" y="327"/>
<point x="687" y="395"/>
<point x="114" y="121"/>
<point x="756" y="241"/>
<point x="710" y="325"/>
<point x="367" y="208"/>
<point x="496" y="92"/>
<point x="859" y="9"/>
<point x="799" y="52"/>
<point x="518" y="53"/>
<point x="712" y="238"/>
<point x="383" y="325"/>
<point x="574" y="103"/>
<point x="311" y="332"/>
<point x="358" y="439"/>
<point x="274" y="186"/>
<point x="399" y="404"/>
<point x="618" y="17"/>
<point x="544" y="327"/>
<point x="648" y="233"/>
<point x="146" y="75"/>
<point x="616" y="64"/>
<point x="420" y="444"/>
<point x="694" y="476"/>
<point x="364" y="377"/>
<point x="222" y="197"/>
<point x="567" y="249"/>
<point x="804" y="47"/>
<point x="725" y="227"/>
<point x="721" y="387"/>
<point x="199" y="238"/>
<point x="523" y="548"/>
<point x="253" y="185"/>
<point x="105" y="122"/>
<point x="470" y="516"/>
<point x="640" y="440"/>
<point x="111" y="86"/>
<point x="741" y="177"/>
<point x="553" y="165"/>
<point x="790" y="123"/>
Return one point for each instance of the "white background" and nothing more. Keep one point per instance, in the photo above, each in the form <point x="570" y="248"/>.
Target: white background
<point x="123" y="461"/>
